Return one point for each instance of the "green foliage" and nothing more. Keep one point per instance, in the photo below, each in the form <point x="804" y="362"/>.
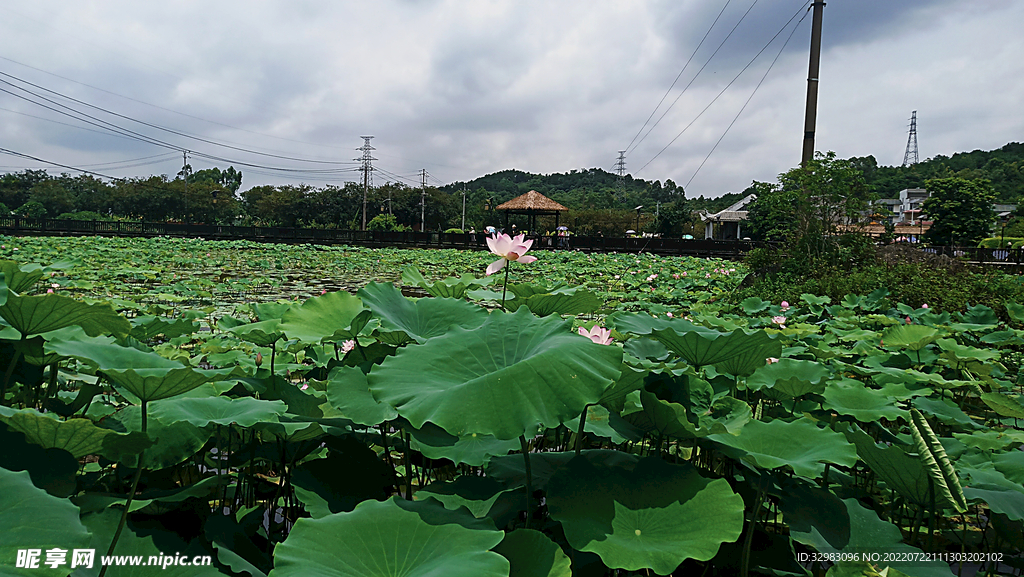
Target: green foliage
<point x="32" y="209"/>
<point x="389" y="434"/>
<point x="386" y="222"/>
<point x="961" y="210"/>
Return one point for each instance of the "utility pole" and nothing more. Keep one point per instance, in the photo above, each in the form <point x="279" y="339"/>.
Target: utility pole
<point x="367" y="169"/>
<point x="423" y="200"/>
<point x="910" y="156"/>
<point x="463" y="207"/>
<point x="812" y="84"/>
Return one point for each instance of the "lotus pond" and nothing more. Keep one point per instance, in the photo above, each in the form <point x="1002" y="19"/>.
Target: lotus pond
<point x="167" y="397"/>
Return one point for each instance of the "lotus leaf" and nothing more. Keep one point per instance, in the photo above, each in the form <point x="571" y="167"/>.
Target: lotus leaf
<point x="501" y="379"/>
<point x="602" y="423"/>
<point x="531" y="554"/>
<point x="205" y="411"/>
<point x="391" y="539"/>
<point x="910" y="337"/>
<point x="901" y="472"/>
<point x="738" y="353"/>
<point x="791" y="377"/>
<point x="958" y="353"/>
<point x="33" y="519"/>
<point x="994" y="440"/>
<point x="262" y="333"/>
<point x="800" y="444"/>
<point x="147" y="327"/>
<point x="349" y="392"/>
<point x="754" y="305"/>
<point x="477" y="494"/>
<point x="722" y="416"/>
<point x="335" y="316"/>
<point x="1004" y="405"/>
<point x="420" y="319"/>
<point x="511" y="470"/>
<point x="655" y="516"/>
<point x="80" y="437"/>
<point x="936" y="463"/>
<point x="1007" y="502"/>
<point x="850" y="397"/>
<point x="33" y="315"/>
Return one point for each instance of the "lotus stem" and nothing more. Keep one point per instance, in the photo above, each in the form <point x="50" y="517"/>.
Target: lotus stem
<point x="529" y="479"/>
<point x="131" y="494"/>
<point x="504" y="286"/>
<point x="10" y="371"/>
<point x="579" y="433"/>
<point x="408" y="467"/>
<point x="745" y="559"/>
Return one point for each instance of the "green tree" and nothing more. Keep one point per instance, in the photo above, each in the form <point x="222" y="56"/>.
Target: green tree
<point x="674" y="218"/>
<point x="772" y="215"/>
<point x="53" y="196"/>
<point x="960" y="209"/>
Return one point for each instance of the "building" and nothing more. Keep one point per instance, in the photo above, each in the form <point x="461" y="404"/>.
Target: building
<point x="727" y="224"/>
<point x="909" y="209"/>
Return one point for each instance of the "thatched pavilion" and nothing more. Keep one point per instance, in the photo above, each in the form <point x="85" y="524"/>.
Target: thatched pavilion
<point x="532" y="204"/>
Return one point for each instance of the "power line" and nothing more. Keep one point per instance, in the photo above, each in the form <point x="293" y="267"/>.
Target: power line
<point x="669" y="91"/>
<point x="692" y="80"/>
<point x="158" y="127"/>
<point x="742" y="108"/>
<point x="727" y="86"/>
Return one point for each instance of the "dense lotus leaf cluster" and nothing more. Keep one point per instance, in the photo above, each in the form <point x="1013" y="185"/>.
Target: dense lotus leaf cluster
<point x="372" y="433"/>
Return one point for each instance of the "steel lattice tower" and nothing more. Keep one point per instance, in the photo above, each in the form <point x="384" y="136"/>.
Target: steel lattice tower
<point x="367" y="169"/>
<point x="910" y="156"/>
<point x="620" y="169"/>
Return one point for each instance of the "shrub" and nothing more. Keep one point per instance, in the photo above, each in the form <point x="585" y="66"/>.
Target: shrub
<point x="83" y="215"/>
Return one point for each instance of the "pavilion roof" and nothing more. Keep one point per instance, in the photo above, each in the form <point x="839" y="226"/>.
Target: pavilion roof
<point x="532" y="200"/>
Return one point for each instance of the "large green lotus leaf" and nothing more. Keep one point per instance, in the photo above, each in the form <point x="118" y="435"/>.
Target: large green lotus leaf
<point x="80" y="437"/>
<point x="33" y="519"/>
<point x="791" y="377"/>
<point x="53" y="470"/>
<point x="644" y="348"/>
<point x="262" y="333"/>
<point x="725" y="415"/>
<point x="33" y="315"/>
<point x="477" y="494"/>
<point x="947" y="412"/>
<point x="289" y="432"/>
<point x="871" y="535"/>
<point x="20" y="278"/>
<point x="807" y="508"/>
<point x="851" y="397"/>
<point x="1004" y="405"/>
<point x="158" y="544"/>
<point x="1011" y="465"/>
<point x="146" y="375"/>
<point x="753" y="305"/>
<point x="956" y="352"/>
<point x="173" y="443"/>
<point x="145" y="328"/>
<point x="630" y="379"/>
<point x="644" y="324"/>
<point x="511" y="470"/>
<point x="574" y="301"/>
<point x="1009" y="503"/>
<point x="420" y="319"/>
<point x="206" y="411"/>
<point x="738" y="353"/>
<point x="503" y="378"/>
<point x="391" y="539"/>
<point x="332" y="317"/>
<point x="473" y="449"/>
<point x="801" y="445"/>
<point x="349" y="392"/>
<point x="602" y="423"/>
<point x="992" y="440"/>
<point x="911" y="337"/>
<point x="531" y="554"/>
<point x="901" y="472"/>
<point x="655" y="516"/>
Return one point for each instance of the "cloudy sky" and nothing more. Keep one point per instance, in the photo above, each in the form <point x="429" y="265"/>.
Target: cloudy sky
<point x="466" y="88"/>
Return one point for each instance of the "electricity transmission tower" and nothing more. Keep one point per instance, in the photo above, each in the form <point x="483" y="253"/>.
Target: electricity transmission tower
<point x="620" y="169"/>
<point x="910" y="156"/>
<point x="367" y="169"/>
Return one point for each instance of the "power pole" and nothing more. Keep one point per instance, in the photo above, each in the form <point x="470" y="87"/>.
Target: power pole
<point x="423" y="200"/>
<point x="367" y="169"/>
<point x="812" y="84"/>
<point x="620" y="169"/>
<point x="463" y="207"/>
<point x="910" y="156"/>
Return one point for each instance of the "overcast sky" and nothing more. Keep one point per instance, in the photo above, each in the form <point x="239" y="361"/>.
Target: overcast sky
<point x="466" y="88"/>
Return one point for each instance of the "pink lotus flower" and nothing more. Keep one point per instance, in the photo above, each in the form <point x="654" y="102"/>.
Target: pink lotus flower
<point x="348" y="346"/>
<point x="780" y="320"/>
<point x="924" y="306"/>
<point x="304" y="387"/>
<point x="909" y="321"/>
<point x="669" y="315"/>
<point x="509" y="249"/>
<point x="684" y="273"/>
<point x="598" y="335"/>
<point x="49" y="291"/>
<point x="772" y="360"/>
<point x="785" y="305"/>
